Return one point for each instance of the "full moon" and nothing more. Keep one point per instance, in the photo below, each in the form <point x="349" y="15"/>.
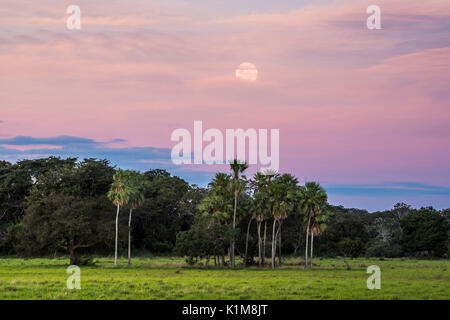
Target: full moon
<point x="247" y="71"/>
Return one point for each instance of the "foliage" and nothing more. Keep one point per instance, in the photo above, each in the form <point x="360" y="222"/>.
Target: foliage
<point x="425" y="232"/>
<point x="351" y="247"/>
<point x="204" y="239"/>
<point x="169" y="207"/>
<point x="66" y="210"/>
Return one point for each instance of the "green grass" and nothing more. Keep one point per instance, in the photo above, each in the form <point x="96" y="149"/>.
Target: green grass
<point x="171" y="278"/>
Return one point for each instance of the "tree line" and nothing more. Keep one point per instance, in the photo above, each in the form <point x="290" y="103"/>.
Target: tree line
<point x="54" y="206"/>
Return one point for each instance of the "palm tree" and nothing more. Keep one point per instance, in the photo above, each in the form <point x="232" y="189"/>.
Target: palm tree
<point x="220" y="185"/>
<point x="258" y="185"/>
<point x="138" y="184"/>
<point x="119" y="194"/>
<point x="237" y="168"/>
<point x="270" y="175"/>
<point x="282" y="193"/>
<point x="247" y="236"/>
<point x="318" y="225"/>
<point x="217" y="205"/>
<point x="289" y="199"/>
<point x="218" y="202"/>
<point x="312" y="199"/>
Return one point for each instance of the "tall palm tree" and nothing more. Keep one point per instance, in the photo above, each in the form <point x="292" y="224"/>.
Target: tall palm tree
<point x="138" y="184"/>
<point x="217" y="205"/>
<point x="119" y="194"/>
<point x="258" y="185"/>
<point x="220" y="185"/>
<point x="312" y="199"/>
<point x="282" y="194"/>
<point x="237" y="168"/>
<point x="318" y="226"/>
<point x="270" y="175"/>
<point x="290" y="192"/>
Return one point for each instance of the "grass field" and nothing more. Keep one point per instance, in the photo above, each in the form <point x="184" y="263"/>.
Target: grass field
<point x="171" y="278"/>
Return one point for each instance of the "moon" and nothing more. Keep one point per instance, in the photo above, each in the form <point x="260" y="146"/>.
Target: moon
<point x="247" y="71"/>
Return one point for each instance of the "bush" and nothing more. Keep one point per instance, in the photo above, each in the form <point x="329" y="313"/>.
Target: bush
<point x="351" y="247"/>
<point x="203" y="240"/>
<point x="378" y="248"/>
<point x="88" y="261"/>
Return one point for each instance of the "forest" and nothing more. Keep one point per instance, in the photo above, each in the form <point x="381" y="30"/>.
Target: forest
<point x="82" y="208"/>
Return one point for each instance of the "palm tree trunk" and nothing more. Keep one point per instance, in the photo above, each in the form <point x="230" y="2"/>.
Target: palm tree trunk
<point x="306" y="249"/>
<point x="274" y="243"/>
<point x="129" y="237"/>
<point x="259" y="242"/>
<point x="264" y="244"/>
<point x="117" y="235"/>
<point x="312" y="247"/>
<point x="234" y="228"/>
<point x="246" y="240"/>
<point x="279" y="242"/>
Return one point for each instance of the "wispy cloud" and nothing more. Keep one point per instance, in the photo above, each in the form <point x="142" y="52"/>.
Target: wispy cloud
<point x="59" y="140"/>
<point x="140" y="158"/>
<point x="387" y="189"/>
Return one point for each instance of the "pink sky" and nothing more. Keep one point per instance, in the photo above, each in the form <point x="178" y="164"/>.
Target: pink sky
<point x="354" y="106"/>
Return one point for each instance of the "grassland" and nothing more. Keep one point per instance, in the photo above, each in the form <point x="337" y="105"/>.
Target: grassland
<point x="171" y="278"/>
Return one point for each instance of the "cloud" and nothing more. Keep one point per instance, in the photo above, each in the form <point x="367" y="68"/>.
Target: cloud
<point x="379" y="196"/>
<point x="383" y="196"/>
<point x="138" y="158"/>
<point x="80" y="147"/>
<point x="388" y="189"/>
<point x="59" y="141"/>
<point x="352" y="105"/>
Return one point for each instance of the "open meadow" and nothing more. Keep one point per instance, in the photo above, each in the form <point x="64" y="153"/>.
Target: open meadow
<point x="172" y="278"/>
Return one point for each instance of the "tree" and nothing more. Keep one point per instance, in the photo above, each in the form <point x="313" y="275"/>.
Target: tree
<point x="169" y="207"/>
<point x="282" y="193"/>
<point x="15" y="184"/>
<point x="237" y="169"/>
<point x="205" y="238"/>
<point x="119" y="194"/>
<point x="401" y="210"/>
<point x="66" y="209"/>
<point x="64" y="223"/>
<point x="352" y="248"/>
<point x="218" y="203"/>
<point x="137" y="184"/>
<point x="425" y="232"/>
<point x="318" y="226"/>
<point x="217" y="206"/>
<point x="313" y="198"/>
<point x="346" y="223"/>
<point x="259" y="207"/>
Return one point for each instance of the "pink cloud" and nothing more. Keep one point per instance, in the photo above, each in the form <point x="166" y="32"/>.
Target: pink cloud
<point x="352" y="105"/>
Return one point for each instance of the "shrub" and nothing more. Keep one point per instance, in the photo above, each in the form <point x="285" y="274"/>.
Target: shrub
<point x="379" y="248"/>
<point x="351" y="247"/>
